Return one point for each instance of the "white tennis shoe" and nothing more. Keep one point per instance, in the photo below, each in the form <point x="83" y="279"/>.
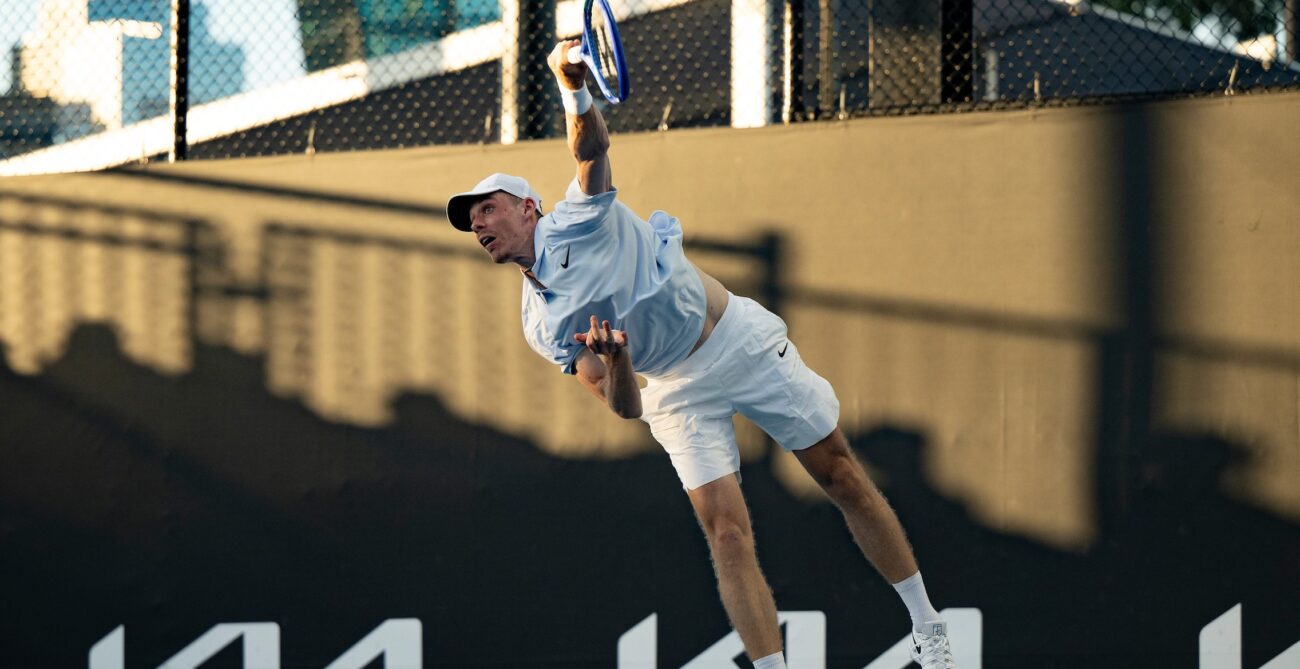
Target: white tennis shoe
<point x="930" y="647"/>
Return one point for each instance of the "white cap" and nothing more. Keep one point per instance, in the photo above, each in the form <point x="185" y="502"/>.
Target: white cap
<point x="459" y="204"/>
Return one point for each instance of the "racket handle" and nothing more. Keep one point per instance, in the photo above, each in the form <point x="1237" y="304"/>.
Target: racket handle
<point x="575" y="55"/>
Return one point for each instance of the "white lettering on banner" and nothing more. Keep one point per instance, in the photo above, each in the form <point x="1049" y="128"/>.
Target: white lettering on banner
<point x="261" y="646"/>
<point x="399" y="641"/>
<point x="1221" y="641"/>
<point x="1220" y="645"/>
<point x="805" y="643"/>
<point x="110" y="652"/>
<point x="638" y="648"/>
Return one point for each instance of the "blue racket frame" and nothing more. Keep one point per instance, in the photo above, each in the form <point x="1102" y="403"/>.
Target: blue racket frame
<point x="620" y="63"/>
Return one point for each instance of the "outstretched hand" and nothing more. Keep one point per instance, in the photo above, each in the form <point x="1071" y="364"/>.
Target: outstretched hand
<point x="601" y="339"/>
<point x="572" y="76"/>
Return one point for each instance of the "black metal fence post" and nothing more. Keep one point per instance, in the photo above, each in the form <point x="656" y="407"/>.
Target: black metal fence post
<point x="537" y="118"/>
<point x="957" y="51"/>
<point x="180" y="80"/>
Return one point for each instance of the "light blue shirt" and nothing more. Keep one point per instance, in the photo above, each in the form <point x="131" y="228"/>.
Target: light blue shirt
<point x="594" y="256"/>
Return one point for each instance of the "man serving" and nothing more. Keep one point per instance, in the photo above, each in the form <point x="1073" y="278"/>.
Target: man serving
<point x="591" y="264"/>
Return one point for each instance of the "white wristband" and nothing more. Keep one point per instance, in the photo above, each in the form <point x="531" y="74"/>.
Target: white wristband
<point x="576" y="102"/>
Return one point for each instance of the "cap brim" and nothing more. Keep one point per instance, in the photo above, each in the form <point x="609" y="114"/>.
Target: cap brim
<point x="458" y="210"/>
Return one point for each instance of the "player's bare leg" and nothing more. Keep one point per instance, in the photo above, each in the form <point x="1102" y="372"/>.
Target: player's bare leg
<point x="876" y="528"/>
<point x="746" y="596"/>
<point x="872" y="521"/>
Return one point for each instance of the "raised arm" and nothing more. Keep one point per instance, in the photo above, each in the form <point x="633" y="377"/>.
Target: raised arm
<point x="588" y="136"/>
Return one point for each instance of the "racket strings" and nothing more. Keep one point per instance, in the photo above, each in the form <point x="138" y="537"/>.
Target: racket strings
<point x="605" y="57"/>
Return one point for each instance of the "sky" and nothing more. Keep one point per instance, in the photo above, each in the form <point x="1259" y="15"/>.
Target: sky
<point x="267" y="29"/>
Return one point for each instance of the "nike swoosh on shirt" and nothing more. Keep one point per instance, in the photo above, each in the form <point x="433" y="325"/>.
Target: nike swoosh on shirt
<point x="782" y="353"/>
<point x="565" y="264"/>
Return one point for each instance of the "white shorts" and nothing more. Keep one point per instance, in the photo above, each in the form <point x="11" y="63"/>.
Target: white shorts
<point x="748" y="365"/>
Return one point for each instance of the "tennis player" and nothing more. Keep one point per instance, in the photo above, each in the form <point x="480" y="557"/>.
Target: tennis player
<point x="592" y="264"/>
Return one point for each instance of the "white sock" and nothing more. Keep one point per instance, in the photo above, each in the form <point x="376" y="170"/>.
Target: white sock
<point x="912" y="590"/>
<point x="773" y="661"/>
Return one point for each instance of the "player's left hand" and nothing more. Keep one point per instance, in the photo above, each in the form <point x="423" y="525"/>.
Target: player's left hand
<point x="601" y="339"/>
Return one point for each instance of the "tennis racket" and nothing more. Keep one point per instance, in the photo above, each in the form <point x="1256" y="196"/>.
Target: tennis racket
<point x="602" y="50"/>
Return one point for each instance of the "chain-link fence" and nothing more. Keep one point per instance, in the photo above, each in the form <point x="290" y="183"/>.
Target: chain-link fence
<point x="91" y="82"/>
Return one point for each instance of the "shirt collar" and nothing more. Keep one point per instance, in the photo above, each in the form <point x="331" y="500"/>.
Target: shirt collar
<point x="530" y="273"/>
<point x="532" y="278"/>
<point x="538" y="244"/>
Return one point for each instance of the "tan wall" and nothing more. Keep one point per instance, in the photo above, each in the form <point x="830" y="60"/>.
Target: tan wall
<point x="950" y="275"/>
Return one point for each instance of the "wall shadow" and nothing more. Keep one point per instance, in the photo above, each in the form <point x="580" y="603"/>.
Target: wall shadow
<point x="171" y="503"/>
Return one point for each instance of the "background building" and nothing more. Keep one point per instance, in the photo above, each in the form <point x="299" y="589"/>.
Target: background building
<point x="26" y="122"/>
<point x="340" y="31"/>
<point x="106" y="62"/>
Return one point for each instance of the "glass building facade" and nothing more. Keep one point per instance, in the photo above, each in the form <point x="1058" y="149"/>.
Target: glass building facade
<point x="216" y="68"/>
<point x="335" y="32"/>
